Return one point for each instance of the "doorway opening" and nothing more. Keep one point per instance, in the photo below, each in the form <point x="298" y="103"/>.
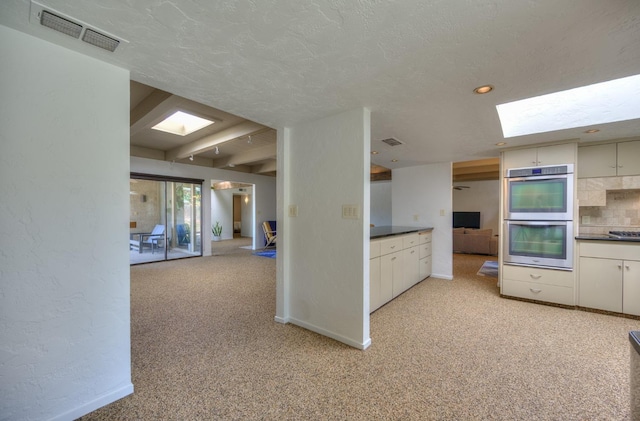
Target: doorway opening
<point x="233" y="212"/>
<point x="165" y="220"/>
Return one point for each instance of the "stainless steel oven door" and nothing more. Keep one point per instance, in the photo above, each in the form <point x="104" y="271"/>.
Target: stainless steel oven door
<point x="539" y="243"/>
<point x="539" y="198"/>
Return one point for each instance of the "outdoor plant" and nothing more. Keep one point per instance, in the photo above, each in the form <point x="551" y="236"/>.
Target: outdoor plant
<point x="216" y="230"/>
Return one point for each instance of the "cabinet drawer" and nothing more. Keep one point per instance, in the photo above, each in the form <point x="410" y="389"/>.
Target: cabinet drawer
<point x="410" y="240"/>
<point x="425" y="237"/>
<point x="425" y="250"/>
<point x="610" y="250"/>
<point x="374" y="249"/>
<point x="540" y="276"/>
<point x="536" y="291"/>
<point x="390" y="245"/>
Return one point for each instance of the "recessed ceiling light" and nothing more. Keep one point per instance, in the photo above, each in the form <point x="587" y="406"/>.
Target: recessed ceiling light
<point x="374" y="152"/>
<point x="182" y="124"/>
<point x="501" y="143"/>
<point x="592" y="131"/>
<point x="483" y="89"/>
<point x="394" y="160"/>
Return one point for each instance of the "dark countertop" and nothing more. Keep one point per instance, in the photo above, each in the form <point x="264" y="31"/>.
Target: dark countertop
<point x="605" y="237"/>
<point x="387" y="231"/>
<point x="634" y="338"/>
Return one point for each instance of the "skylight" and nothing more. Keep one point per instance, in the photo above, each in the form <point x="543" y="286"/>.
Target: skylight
<point x="606" y="102"/>
<point x="182" y="124"/>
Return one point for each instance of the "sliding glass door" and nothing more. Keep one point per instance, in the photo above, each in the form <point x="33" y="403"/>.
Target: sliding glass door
<point x="165" y="218"/>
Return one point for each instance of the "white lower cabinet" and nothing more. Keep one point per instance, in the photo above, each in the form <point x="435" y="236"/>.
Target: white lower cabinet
<point x="396" y="264"/>
<point x="609" y="278"/>
<point x="548" y="285"/>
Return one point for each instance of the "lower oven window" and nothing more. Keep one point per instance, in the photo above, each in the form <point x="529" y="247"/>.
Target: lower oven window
<point x="544" y="241"/>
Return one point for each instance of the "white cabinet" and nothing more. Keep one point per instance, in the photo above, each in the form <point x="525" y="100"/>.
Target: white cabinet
<point x="548" y="285"/>
<point x="610" y="277"/>
<point x="396" y="264"/>
<point x="609" y="159"/>
<point x="539" y="156"/>
<point x="425" y="255"/>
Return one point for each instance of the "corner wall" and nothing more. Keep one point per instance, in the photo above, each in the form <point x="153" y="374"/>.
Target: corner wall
<point x="323" y="280"/>
<point x="425" y="191"/>
<point x="64" y="265"/>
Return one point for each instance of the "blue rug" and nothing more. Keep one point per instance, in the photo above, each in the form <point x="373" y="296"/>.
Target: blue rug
<point x="489" y="268"/>
<point x="271" y="254"/>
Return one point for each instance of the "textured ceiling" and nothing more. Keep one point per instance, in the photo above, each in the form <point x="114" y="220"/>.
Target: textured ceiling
<point x="413" y="63"/>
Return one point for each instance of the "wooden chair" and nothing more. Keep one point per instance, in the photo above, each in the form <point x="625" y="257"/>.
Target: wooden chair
<point x="269" y="234"/>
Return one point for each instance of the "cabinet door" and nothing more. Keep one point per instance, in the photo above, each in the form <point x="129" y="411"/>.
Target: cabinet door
<point x="629" y="158"/>
<point x="520" y="158"/>
<point x="411" y="266"/>
<point x="601" y="284"/>
<point x="631" y="288"/>
<point x="557" y="154"/>
<point x="597" y="161"/>
<point x="425" y="267"/>
<point x="391" y="276"/>
<point x="374" y="284"/>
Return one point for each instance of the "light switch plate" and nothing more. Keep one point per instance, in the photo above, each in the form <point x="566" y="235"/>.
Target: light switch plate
<point x="350" y="211"/>
<point x="293" y="210"/>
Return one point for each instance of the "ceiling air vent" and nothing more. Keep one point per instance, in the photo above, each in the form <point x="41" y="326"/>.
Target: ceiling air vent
<point x="392" y="141"/>
<point x="39" y="15"/>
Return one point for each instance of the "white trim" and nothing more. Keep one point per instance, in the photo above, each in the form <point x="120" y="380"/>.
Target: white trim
<point x="283" y="320"/>
<point x="330" y="334"/>
<point x="445" y="277"/>
<point x="91" y="406"/>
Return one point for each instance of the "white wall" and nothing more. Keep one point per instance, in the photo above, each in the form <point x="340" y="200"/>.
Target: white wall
<point x="381" y="208"/>
<point x="64" y="265"/>
<point x="481" y="196"/>
<point x="425" y="191"/>
<point x="222" y="211"/>
<point x="247" y="214"/>
<point x="264" y="194"/>
<point x="323" y="283"/>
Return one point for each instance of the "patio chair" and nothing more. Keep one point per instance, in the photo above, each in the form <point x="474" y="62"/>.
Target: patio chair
<point x="269" y="228"/>
<point x="153" y="239"/>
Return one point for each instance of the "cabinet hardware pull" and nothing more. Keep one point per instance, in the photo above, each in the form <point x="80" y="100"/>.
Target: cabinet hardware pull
<point x="413" y="251"/>
<point x="394" y="258"/>
<point x="619" y="266"/>
<point x="534" y="276"/>
<point x="393" y="247"/>
<point x="535" y="290"/>
<point x="626" y="267"/>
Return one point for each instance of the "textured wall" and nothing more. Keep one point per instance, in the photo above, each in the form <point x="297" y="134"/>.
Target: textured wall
<point x="64" y="266"/>
<point x="425" y="191"/>
<point x="326" y="261"/>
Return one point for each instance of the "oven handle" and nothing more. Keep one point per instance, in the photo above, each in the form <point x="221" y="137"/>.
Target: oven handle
<point x="541" y="223"/>
<point x="538" y="177"/>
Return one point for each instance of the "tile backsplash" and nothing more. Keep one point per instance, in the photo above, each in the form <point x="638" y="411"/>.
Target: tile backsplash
<point x="612" y="203"/>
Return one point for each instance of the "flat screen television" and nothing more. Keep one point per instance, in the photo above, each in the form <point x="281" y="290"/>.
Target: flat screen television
<point x="466" y="220"/>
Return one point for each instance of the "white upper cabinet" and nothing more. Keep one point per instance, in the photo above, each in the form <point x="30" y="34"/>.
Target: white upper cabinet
<point x="540" y="156"/>
<point x="610" y="159"/>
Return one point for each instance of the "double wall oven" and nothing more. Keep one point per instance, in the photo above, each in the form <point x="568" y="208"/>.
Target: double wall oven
<point x="538" y="215"/>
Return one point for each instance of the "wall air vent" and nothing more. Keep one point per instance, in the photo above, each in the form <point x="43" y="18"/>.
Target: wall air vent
<point x="41" y="16"/>
<point x="392" y="141"/>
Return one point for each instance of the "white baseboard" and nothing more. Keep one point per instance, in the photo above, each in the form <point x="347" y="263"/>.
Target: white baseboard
<point x="283" y="320"/>
<point x="447" y="277"/>
<point x="91" y="406"/>
<point x="332" y="335"/>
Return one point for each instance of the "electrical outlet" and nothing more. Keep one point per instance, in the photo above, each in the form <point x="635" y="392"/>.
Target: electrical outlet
<point x="586" y="219"/>
<point x="416" y="217"/>
<point x="441" y="212"/>
<point x="293" y="210"/>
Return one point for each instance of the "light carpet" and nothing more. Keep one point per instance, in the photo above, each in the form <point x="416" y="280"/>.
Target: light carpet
<point x="205" y="346"/>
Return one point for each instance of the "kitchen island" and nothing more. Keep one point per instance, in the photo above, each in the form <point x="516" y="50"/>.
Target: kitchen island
<point x="400" y="257"/>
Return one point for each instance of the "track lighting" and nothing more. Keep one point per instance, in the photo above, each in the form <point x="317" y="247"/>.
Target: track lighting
<point x="191" y="158"/>
<point x="249" y="141"/>
<point x="217" y="150"/>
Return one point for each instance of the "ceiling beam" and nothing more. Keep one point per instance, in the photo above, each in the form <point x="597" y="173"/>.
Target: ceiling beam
<point x="139" y="117"/>
<point x="209" y="142"/>
<point x="248" y="156"/>
<point x="265" y="167"/>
